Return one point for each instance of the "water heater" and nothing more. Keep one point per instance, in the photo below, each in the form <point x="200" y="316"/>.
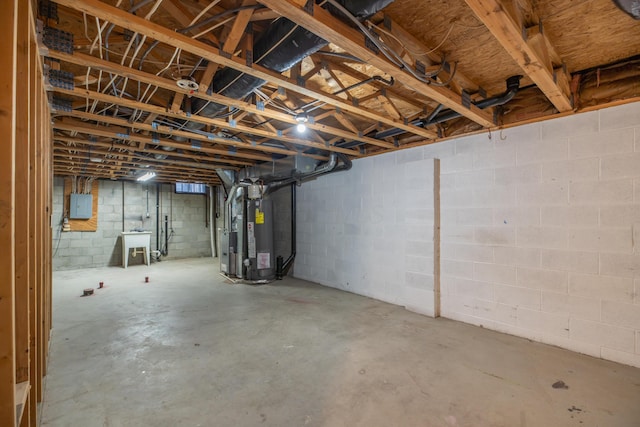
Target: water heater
<point x="261" y="262"/>
<point x="247" y="245"/>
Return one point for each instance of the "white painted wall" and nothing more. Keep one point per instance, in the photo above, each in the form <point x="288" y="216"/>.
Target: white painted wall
<point x="540" y="230"/>
<point x="370" y="231"/>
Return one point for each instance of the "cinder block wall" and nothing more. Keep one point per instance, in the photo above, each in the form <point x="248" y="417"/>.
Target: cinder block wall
<point x="190" y="238"/>
<point x="370" y="230"/>
<point x="540" y="230"/>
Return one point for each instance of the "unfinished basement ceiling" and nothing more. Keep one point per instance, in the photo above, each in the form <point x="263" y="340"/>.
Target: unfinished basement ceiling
<point x="141" y="97"/>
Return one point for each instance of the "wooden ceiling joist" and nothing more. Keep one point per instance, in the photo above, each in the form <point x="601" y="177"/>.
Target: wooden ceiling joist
<point x="70" y="168"/>
<point x="81" y="158"/>
<point x="194" y="118"/>
<point x="87" y="129"/>
<point x="322" y="23"/>
<point x="531" y="55"/>
<point x="200" y="49"/>
<point x="167" y="163"/>
<point x="134" y="74"/>
<point x="168" y="130"/>
<point x="182" y="153"/>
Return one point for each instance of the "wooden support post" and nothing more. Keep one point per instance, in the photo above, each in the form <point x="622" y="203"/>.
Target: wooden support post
<point x="8" y="20"/>
<point x="34" y="372"/>
<point x="22" y="200"/>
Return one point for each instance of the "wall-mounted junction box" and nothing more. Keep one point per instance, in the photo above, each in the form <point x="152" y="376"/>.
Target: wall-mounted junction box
<point x="81" y="206"/>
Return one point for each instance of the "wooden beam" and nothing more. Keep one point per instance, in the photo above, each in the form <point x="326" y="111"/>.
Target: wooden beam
<point x="82" y="168"/>
<point x="229" y="46"/>
<point x="87" y="129"/>
<point x="263" y="15"/>
<point x="90" y="61"/>
<point x="169" y="131"/>
<point x="200" y="119"/>
<point x="389" y="107"/>
<point x="527" y="55"/>
<point x="209" y="164"/>
<point x="344" y="121"/>
<point x="8" y="22"/>
<point x="80" y="160"/>
<point x="323" y="24"/>
<point x="238" y="28"/>
<point x="187" y="153"/>
<point x="170" y="37"/>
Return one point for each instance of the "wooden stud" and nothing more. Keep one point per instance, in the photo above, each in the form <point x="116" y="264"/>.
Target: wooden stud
<point x="8" y="22"/>
<point x="436" y="237"/>
<point x="35" y="379"/>
<point x="22" y="197"/>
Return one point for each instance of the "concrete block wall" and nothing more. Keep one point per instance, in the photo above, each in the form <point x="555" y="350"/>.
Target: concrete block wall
<point x="78" y="249"/>
<point x="540" y="230"/>
<point x="189" y="231"/>
<point x="370" y="230"/>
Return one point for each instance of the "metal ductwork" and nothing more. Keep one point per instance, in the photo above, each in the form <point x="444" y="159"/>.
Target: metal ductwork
<point x="298" y="177"/>
<point x="513" y="85"/>
<point x="247" y="248"/>
<point x="631" y="7"/>
<point x="439" y="116"/>
<point x="283" y="45"/>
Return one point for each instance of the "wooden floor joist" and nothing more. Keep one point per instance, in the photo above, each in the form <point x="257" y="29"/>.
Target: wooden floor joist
<point x="89" y="61"/>
<point x="200" y="49"/>
<point x="529" y="56"/>
<point x="322" y="23"/>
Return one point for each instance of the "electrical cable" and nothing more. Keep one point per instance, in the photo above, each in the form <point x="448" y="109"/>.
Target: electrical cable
<point x="450" y="79"/>
<point x="411" y="51"/>
<point x="386" y="51"/>
<point x="59" y="238"/>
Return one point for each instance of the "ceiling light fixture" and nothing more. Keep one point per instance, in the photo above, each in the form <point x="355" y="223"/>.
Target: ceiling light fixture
<point x="302" y="119"/>
<point x="188" y="83"/>
<point x="146" y="177"/>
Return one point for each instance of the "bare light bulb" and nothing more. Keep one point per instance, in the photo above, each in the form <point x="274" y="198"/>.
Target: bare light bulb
<point x="301" y="127"/>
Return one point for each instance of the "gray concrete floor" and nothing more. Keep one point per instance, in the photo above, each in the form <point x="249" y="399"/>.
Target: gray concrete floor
<point x="188" y="349"/>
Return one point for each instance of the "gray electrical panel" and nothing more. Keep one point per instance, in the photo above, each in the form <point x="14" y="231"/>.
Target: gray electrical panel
<point x="81" y="206"/>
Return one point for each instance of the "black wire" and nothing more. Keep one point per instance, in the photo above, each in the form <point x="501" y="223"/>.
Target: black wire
<point x="58" y="245"/>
